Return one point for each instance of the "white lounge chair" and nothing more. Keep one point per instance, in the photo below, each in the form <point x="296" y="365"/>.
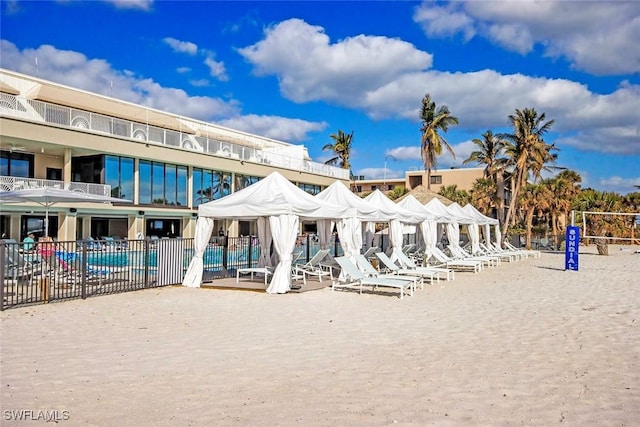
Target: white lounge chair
<point x="352" y="277"/>
<point x="418" y="271"/>
<point x="453" y="264"/>
<point x="370" y="253"/>
<point x="458" y="253"/>
<point x="504" y="256"/>
<point x="409" y="264"/>
<point x="525" y="252"/>
<point x="314" y="268"/>
<point x="365" y="266"/>
<point x="265" y="271"/>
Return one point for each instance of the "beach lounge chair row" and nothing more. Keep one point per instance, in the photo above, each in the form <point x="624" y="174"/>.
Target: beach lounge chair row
<point x="352" y="277"/>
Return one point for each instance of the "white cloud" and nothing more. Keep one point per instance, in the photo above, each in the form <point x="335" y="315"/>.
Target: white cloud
<point x="200" y="83"/>
<point x="619" y="184"/>
<point x="313" y="69"/>
<point x="280" y="128"/>
<point x="597" y="37"/>
<point x="309" y="67"/>
<point x="181" y="46"/>
<point x="132" y="4"/>
<point x="440" y="21"/>
<point x="96" y="75"/>
<point x="378" y="173"/>
<point x="216" y="69"/>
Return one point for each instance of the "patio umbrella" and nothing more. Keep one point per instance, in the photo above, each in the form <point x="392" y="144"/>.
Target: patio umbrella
<point x="49" y="196"/>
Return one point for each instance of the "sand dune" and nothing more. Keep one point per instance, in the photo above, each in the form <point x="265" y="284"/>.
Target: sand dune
<point x="522" y="344"/>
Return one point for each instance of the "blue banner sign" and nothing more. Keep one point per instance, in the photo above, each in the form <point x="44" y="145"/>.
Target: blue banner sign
<point x="571" y="248"/>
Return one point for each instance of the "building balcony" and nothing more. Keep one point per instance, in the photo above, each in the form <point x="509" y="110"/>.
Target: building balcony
<point x="13" y="183"/>
<point x="191" y="136"/>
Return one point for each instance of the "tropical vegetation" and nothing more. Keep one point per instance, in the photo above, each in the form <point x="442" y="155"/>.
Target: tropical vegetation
<point x="434" y="121"/>
<point x="341" y="149"/>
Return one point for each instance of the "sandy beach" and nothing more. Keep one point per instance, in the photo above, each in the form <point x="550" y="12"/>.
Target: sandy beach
<point x="522" y="344"/>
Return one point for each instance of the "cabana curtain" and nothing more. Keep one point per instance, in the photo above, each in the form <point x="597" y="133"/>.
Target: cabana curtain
<point x="284" y="229"/>
<point x="193" y="276"/>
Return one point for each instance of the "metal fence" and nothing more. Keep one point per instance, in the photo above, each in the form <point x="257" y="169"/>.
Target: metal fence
<point x="48" y="271"/>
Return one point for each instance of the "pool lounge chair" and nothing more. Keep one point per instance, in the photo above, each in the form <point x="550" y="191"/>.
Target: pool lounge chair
<point x="352" y="277"/>
<point x="407" y="265"/>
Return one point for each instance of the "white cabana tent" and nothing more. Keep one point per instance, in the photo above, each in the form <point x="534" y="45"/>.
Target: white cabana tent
<point x="349" y="231"/>
<point x="485" y="221"/>
<point x="452" y="222"/>
<point x="402" y="215"/>
<point x="277" y="205"/>
<point x="473" y="230"/>
<point x="428" y="227"/>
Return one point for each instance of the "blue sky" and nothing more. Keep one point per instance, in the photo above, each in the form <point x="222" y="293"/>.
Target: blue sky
<point x="299" y="71"/>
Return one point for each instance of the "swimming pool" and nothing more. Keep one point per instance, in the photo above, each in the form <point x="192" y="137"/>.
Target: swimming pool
<point x="213" y="257"/>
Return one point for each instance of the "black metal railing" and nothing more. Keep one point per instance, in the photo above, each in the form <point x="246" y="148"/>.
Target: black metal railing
<point x="49" y="271"/>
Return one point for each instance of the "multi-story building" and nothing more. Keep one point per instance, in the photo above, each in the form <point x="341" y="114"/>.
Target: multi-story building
<point x="165" y="164"/>
<point x="463" y="178"/>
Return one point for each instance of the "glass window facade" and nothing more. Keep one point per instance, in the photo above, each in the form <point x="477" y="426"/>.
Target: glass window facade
<point x="162" y="184"/>
<point x="310" y="188"/>
<point x="87" y="169"/>
<point x="118" y="173"/>
<point x="16" y="164"/>
<point x="210" y="185"/>
<point x="243" y="181"/>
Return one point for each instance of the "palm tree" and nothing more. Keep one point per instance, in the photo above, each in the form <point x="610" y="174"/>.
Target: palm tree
<point x="489" y="151"/>
<point x="341" y="148"/>
<point x="534" y="197"/>
<point x="601" y="225"/>
<point x="483" y="195"/>
<point x="452" y="193"/>
<point x="397" y="192"/>
<point x="434" y="120"/>
<point x="527" y="153"/>
<point x="565" y="187"/>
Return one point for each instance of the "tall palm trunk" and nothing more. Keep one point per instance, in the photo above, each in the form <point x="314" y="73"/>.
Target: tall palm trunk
<point x="529" y="226"/>
<point x="500" y="197"/>
<point x="515" y="191"/>
<point x="555" y="229"/>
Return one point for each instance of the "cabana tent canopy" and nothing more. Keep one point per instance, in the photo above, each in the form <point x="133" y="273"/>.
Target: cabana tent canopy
<point x="478" y="216"/>
<point x="378" y="198"/>
<point x="350" y="231"/>
<point x="278" y="205"/>
<point x="271" y="196"/>
<point x="428" y="228"/>
<point x="410" y="203"/>
<point x="338" y="194"/>
<point x="486" y="222"/>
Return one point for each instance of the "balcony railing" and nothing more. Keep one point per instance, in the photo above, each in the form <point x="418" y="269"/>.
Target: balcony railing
<point x="12" y="183"/>
<point x="87" y="121"/>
